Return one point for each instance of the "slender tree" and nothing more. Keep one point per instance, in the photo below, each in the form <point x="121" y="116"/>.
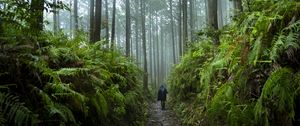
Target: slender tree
<point x="192" y="21"/>
<point x="185" y="24"/>
<point x="55" y="23"/>
<point x="137" y="40"/>
<point x="71" y="19"/>
<point x="143" y="15"/>
<point x="37" y="9"/>
<point x="128" y="28"/>
<point x="98" y="20"/>
<point x="76" y="16"/>
<point x="220" y="14"/>
<point x="106" y="18"/>
<point x="92" y="21"/>
<point x="238" y="6"/>
<point x="172" y="30"/>
<point x="180" y="27"/>
<point x="213" y="18"/>
<point x="113" y="25"/>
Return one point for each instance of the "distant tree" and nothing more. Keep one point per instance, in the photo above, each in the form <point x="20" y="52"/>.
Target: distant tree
<point x="143" y="15"/>
<point x="172" y="30"/>
<point x="113" y="24"/>
<point x="128" y="28"/>
<point x="106" y="24"/>
<point x="238" y="5"/>
<point x="92" y="21"/>
<point x="180" y="27"/>
<point x="192" y="21"/>
<point x="185" y="24"/>
<point x="37" y="9"/>
<point x="213" y="19"/>
<point x="71" y="18"/>
<point x="76" y="15"/>
<point x="137" y="16"/>
<point x="55" y="23"/>
<point x="220" y="13"/>
<point x="98" y="20"/>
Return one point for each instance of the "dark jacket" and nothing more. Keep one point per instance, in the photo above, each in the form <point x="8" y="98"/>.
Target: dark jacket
<point x="162" y="94"/>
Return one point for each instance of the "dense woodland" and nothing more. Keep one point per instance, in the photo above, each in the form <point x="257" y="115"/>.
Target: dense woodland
<point x="100" y="62"/>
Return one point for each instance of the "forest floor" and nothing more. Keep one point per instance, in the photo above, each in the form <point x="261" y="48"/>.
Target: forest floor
<point x="158" y="117"/>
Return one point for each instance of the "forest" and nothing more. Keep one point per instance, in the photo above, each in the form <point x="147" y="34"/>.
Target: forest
<point x="103" y="62"/>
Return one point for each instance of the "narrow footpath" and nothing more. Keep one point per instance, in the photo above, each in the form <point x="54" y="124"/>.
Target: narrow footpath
<point x="158" y="117"/>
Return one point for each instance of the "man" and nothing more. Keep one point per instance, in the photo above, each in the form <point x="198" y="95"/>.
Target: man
<point x="162" y="96"/>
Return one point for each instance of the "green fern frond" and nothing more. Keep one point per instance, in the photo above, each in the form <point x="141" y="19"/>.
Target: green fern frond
<point x="63" y="111"/>
<point x="71" y="71"/>
<point x="286" y="42"/>
<point x="100" y="103"/>
<point x="255" y="54"/>
<point x="295" y="27"/>
<point x="2" y="119"/>
<point x="15" y="111"/>
<point x="64" y="90"/>
<point x="278" y="94"/>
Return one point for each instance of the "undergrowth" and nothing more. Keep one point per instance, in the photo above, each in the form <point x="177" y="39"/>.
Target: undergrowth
<point x="51" y="79"/>
<point x="251" y="78"/>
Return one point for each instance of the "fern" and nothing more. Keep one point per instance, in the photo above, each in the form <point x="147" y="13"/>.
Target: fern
<point x="277" y="95"/>
<point x="64" y="90"/>
<point x="256" y="52"/>
<point x="62" y="111"/>
<point x="71" y="71"/>
<point x="220" y="103"/>
<point x="2" y="119"/>
<point x="15" y="111"/>
<point x="54" y="108"/>
<point x="286" y="42"/>
<point x="101" y="105"/>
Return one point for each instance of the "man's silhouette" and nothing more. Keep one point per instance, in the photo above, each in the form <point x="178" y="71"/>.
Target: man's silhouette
<point x="162" y="96"/>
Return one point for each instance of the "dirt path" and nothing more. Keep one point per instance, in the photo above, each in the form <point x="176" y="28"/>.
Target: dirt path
<point x="158" y="117"/>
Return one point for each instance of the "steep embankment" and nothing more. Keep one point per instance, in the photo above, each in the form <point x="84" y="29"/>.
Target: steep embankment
<point x="53" y="80"/>
<point x="251" y="78"/>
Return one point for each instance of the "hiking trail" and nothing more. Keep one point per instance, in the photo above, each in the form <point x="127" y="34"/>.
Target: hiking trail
<point x="158" y="117"/>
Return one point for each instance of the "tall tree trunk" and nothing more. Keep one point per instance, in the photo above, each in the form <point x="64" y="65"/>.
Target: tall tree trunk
<point x="106" y="25"/>
<point x="76" y="16"/>
<point x="152" y="68"/>
<point x="71" y="19"/>
<point x="213" y="19"/>
<point x="220" y="14"/>
<point x="161" y="73"/>
<point x="180" y="27"/>
<point x="55" y="18"/>
<point x="192" y="21"/>
<point x="145" y="80"/>
<point x="238" y="6"/>
<point x="92" y="21"/>
<point x="152" y="52"/>
<point x="206" y="13"/>
<point x="172" y="30"/>
<point x="37" y="9"/>
<point x="185" y="25"/>
<point x="157" y="49"/>
<point x="113" y="25"/>
<point x="137" y="40"/>
<point x="128" y="28"/>
<point x="98" y="20"/>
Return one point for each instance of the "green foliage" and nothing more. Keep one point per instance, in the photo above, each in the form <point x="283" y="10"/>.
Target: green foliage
<point x="277" y="98"/>
<point x="287" y="43"/>
<point x="249" y="79"/>
<point x="64" y="81"/>
<point x="15" y="112"/>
